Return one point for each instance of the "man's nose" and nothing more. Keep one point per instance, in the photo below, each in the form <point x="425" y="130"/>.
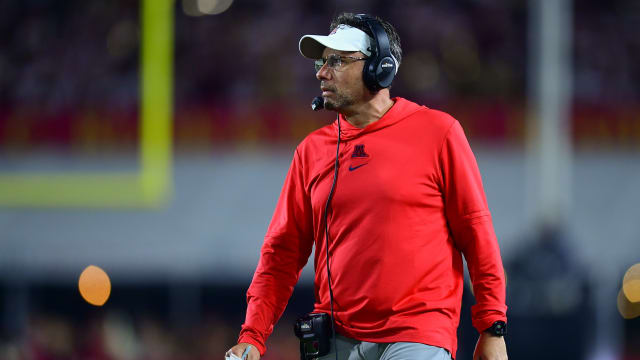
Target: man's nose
<point x="324" y="72"/>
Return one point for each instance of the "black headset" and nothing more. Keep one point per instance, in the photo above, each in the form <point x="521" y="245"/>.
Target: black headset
<point x="380" y="68"/>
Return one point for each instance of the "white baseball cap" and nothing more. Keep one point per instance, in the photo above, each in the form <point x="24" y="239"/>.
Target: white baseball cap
<point x="343" y="38"/>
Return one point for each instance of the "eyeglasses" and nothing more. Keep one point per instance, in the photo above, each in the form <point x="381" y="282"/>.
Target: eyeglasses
<point x="335" y="61"/>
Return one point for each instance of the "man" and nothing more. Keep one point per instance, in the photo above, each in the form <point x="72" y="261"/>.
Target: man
<point x="406" y="204"/>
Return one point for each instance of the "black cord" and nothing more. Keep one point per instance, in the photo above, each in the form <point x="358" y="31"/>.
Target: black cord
<point x="326" y="233"/>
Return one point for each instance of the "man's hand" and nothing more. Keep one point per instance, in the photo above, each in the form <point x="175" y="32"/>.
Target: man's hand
<point x="237" y="350"/>
<point x="490" y="347"/>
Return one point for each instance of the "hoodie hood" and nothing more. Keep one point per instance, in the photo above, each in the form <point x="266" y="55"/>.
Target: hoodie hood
<point x="401" y="109"/>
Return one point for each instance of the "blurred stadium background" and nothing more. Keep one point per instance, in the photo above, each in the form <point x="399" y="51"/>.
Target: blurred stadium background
<point x="152" y="137"/>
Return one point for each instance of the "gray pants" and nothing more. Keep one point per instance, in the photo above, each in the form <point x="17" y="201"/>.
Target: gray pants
<point x="350" y="349"/>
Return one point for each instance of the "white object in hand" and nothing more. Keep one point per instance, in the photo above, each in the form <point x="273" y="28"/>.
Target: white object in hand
<point x="232" y="356"/>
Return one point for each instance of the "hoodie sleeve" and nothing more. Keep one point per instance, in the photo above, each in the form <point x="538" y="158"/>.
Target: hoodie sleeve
<point x="285" y="251"/>
<point x="472" y="228"/>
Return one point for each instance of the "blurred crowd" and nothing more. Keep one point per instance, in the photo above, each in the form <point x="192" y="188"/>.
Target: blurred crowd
<point x="114" y="335"/>
<point x="138" y="323"/>
<point x="148" y="320"/>
<point x="70" y="67"/>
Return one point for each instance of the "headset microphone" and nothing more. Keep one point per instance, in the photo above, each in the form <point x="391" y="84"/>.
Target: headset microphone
<point x="317" y="103"/>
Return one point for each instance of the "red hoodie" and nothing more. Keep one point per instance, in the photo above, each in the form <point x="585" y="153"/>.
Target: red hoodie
<point x="408" y="203"/>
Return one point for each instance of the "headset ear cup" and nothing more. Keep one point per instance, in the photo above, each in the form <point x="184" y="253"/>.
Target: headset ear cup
<point x="378" y="73"/>
<point x="385" y="72"/>
<point x="380" y="69"/>
<point x="369" y="74"/>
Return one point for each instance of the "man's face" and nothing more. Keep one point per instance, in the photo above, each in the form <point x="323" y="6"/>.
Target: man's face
<point x="342" y="86"/>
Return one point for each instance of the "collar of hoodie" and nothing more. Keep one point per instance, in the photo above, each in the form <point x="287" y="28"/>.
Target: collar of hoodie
<point x="401" y="109"/>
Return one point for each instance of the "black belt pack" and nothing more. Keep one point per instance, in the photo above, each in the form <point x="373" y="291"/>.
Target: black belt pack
<point x="314" y="332"/>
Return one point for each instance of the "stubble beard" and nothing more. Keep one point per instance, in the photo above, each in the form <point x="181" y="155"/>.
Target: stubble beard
<point x="338" y="101"/>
